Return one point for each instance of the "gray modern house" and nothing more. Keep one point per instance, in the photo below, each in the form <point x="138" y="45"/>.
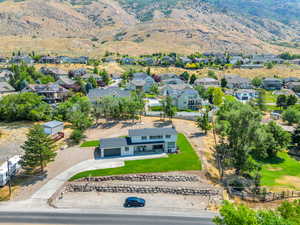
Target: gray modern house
<point x="139" y="142"/>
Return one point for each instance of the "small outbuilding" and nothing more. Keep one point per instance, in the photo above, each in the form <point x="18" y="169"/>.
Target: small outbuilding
<point x="53" y="127"/>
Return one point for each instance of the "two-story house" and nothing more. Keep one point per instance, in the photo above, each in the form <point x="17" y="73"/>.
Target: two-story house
<point x="207" y="82"/>
<point x="51" y="93"/>
<point x="53" y="71"/>
<point x="183" y="96"/>
<point x="141" y="82"/>
<point x="272" y="84"/>
<point x="235" y="81"/>
<point x="139" y="142"/>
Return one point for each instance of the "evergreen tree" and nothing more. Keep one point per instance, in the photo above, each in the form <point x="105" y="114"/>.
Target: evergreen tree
<point x="39" y="149"/>
<point x="193" y="79"/>
<point x="223" y="83"/>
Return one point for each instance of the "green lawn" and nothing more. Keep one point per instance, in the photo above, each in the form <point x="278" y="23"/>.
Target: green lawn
<point x="275" y="170"/>
<point x="187" y="159"/>
<point x="156" y="108"/>
<point x="270" y="98"/>
<point x="94" y="143"/>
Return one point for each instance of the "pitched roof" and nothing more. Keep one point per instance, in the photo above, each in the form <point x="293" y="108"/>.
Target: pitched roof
<point x="140" y="76"/>
<point x="6" y="87"/>
<point x="151" y="132"/>
<point x="66" y="80"/>
<point x="43" y="88"/>
<point x="96" y="93"/>
<point x="53" y="124"/>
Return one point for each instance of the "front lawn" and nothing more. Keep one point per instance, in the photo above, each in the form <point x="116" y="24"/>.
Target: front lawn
<point x="94" y="143"/>
<point x="187" y="159"/>
<point x="283" y="171"/>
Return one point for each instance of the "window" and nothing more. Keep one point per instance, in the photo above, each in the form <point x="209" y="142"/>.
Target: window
<point x="126" y="149"/>
<point x="144" y="137"/>
<point x="156" y="137"/>
<point x="171" y="145"/>
<point x="168" y="136"/>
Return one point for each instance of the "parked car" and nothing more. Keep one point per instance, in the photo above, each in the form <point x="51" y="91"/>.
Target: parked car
<point x="134" y="202"/>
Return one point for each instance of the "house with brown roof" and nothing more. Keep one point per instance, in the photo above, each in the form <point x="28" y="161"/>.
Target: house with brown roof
<point x="51" y="93"/>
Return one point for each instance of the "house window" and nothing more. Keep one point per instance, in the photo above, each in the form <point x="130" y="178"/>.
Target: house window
<point x="144" y="137"/>
<point x="126" y="149"/>
<point x="168" y="136"/>
<point x="171" y="144"/>
<point x="156" y="137"/>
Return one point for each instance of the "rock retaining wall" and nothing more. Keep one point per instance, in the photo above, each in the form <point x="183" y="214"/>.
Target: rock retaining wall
<point x="141" y="178"/>
<point x="90" y="187"/>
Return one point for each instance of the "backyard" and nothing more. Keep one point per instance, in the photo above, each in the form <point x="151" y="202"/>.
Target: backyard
<point x="186" y="160"/>
<point x="281" y="172"/>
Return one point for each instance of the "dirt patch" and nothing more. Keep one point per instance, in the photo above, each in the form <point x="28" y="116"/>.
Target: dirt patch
<point x="291" y="181"/>
<point x="274" y="169"/>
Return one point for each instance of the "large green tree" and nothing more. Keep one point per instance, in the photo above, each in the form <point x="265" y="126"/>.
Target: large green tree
<point x="24" y="106"/>
<point x="38" y="149"/>
<point x="288" y="213"/>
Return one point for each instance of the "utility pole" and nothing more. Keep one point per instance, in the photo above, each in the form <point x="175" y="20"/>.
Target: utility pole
<point x="9" y="176"/>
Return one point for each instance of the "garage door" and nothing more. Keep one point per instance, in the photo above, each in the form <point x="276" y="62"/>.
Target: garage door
<point x="112" y="152"/>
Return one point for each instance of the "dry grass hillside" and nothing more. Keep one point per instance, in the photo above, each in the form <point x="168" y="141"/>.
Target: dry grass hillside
<point x="59" y="27"/>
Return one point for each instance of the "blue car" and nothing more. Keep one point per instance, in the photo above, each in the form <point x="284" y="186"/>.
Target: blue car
<point x="134" y="202"/>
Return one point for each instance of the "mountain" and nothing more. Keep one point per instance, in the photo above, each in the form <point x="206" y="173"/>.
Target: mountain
<point x="145" y="26"/>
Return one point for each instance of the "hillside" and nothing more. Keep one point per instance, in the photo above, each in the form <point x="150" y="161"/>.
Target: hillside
<point x="135" y="27"/>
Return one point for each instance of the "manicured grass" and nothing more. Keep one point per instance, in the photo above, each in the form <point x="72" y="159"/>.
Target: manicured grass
<point x="156" y="108"/>
<point x="187" y="159"/>
<point x="94" y="143"/>
<point x="277" y="168"/>
<point x="270" y="98"/>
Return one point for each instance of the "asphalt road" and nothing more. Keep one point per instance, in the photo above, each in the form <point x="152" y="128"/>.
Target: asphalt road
<point x="101" y="219"/>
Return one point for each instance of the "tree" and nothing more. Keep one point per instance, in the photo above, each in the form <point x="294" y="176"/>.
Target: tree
<point x="212" y="74"/>
<point x="281" y="101"/>
<point x="168" y="108"/>
<point x="192" y="79"/>
<point x="38" y="149"/>
<point x="202" y="91"/>
<point x="261" y="100"/>
<point x="76" y="136"/>
<point x="97" y="110"/>
<point x="95" y="70"/>
<point x="231" y="214"/>
<point x="148" y="71"/>
<point x="218" y="96"/>
<point x="280" y="139"/>
<point x="105" y="77"/>
<point x="204" y="123"/>
<point x="154" y="89"/>
<point x="241" y="122"/>
<point x="296" y="137"/>
<point x="256" y="82"/>
<point x="223" y="83"/>
<point x="185" y="76"/>
<point x="80" y="120"/>
<point x="291" y="100"/>
<point x="24" y="106"/>
<point x="269" y="65"/>
<point x="291" y="115"/>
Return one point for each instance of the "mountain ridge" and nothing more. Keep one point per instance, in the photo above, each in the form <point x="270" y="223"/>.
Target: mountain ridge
<point x="140" y="27"/>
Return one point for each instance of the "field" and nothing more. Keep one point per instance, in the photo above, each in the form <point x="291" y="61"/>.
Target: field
<point x="282" y="172"/>
<point x="186" y="160"/>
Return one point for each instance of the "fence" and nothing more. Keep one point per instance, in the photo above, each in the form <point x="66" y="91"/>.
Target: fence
<point x="263" y="196"/>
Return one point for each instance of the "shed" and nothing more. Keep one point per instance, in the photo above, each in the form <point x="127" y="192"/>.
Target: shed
<point x="53" y="127"/>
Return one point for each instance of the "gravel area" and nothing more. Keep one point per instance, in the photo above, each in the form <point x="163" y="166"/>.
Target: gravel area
<point x="114" y="201"/>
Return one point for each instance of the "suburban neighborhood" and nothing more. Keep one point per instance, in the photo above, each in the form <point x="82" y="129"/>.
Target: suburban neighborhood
<point x="75" y="134"/>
